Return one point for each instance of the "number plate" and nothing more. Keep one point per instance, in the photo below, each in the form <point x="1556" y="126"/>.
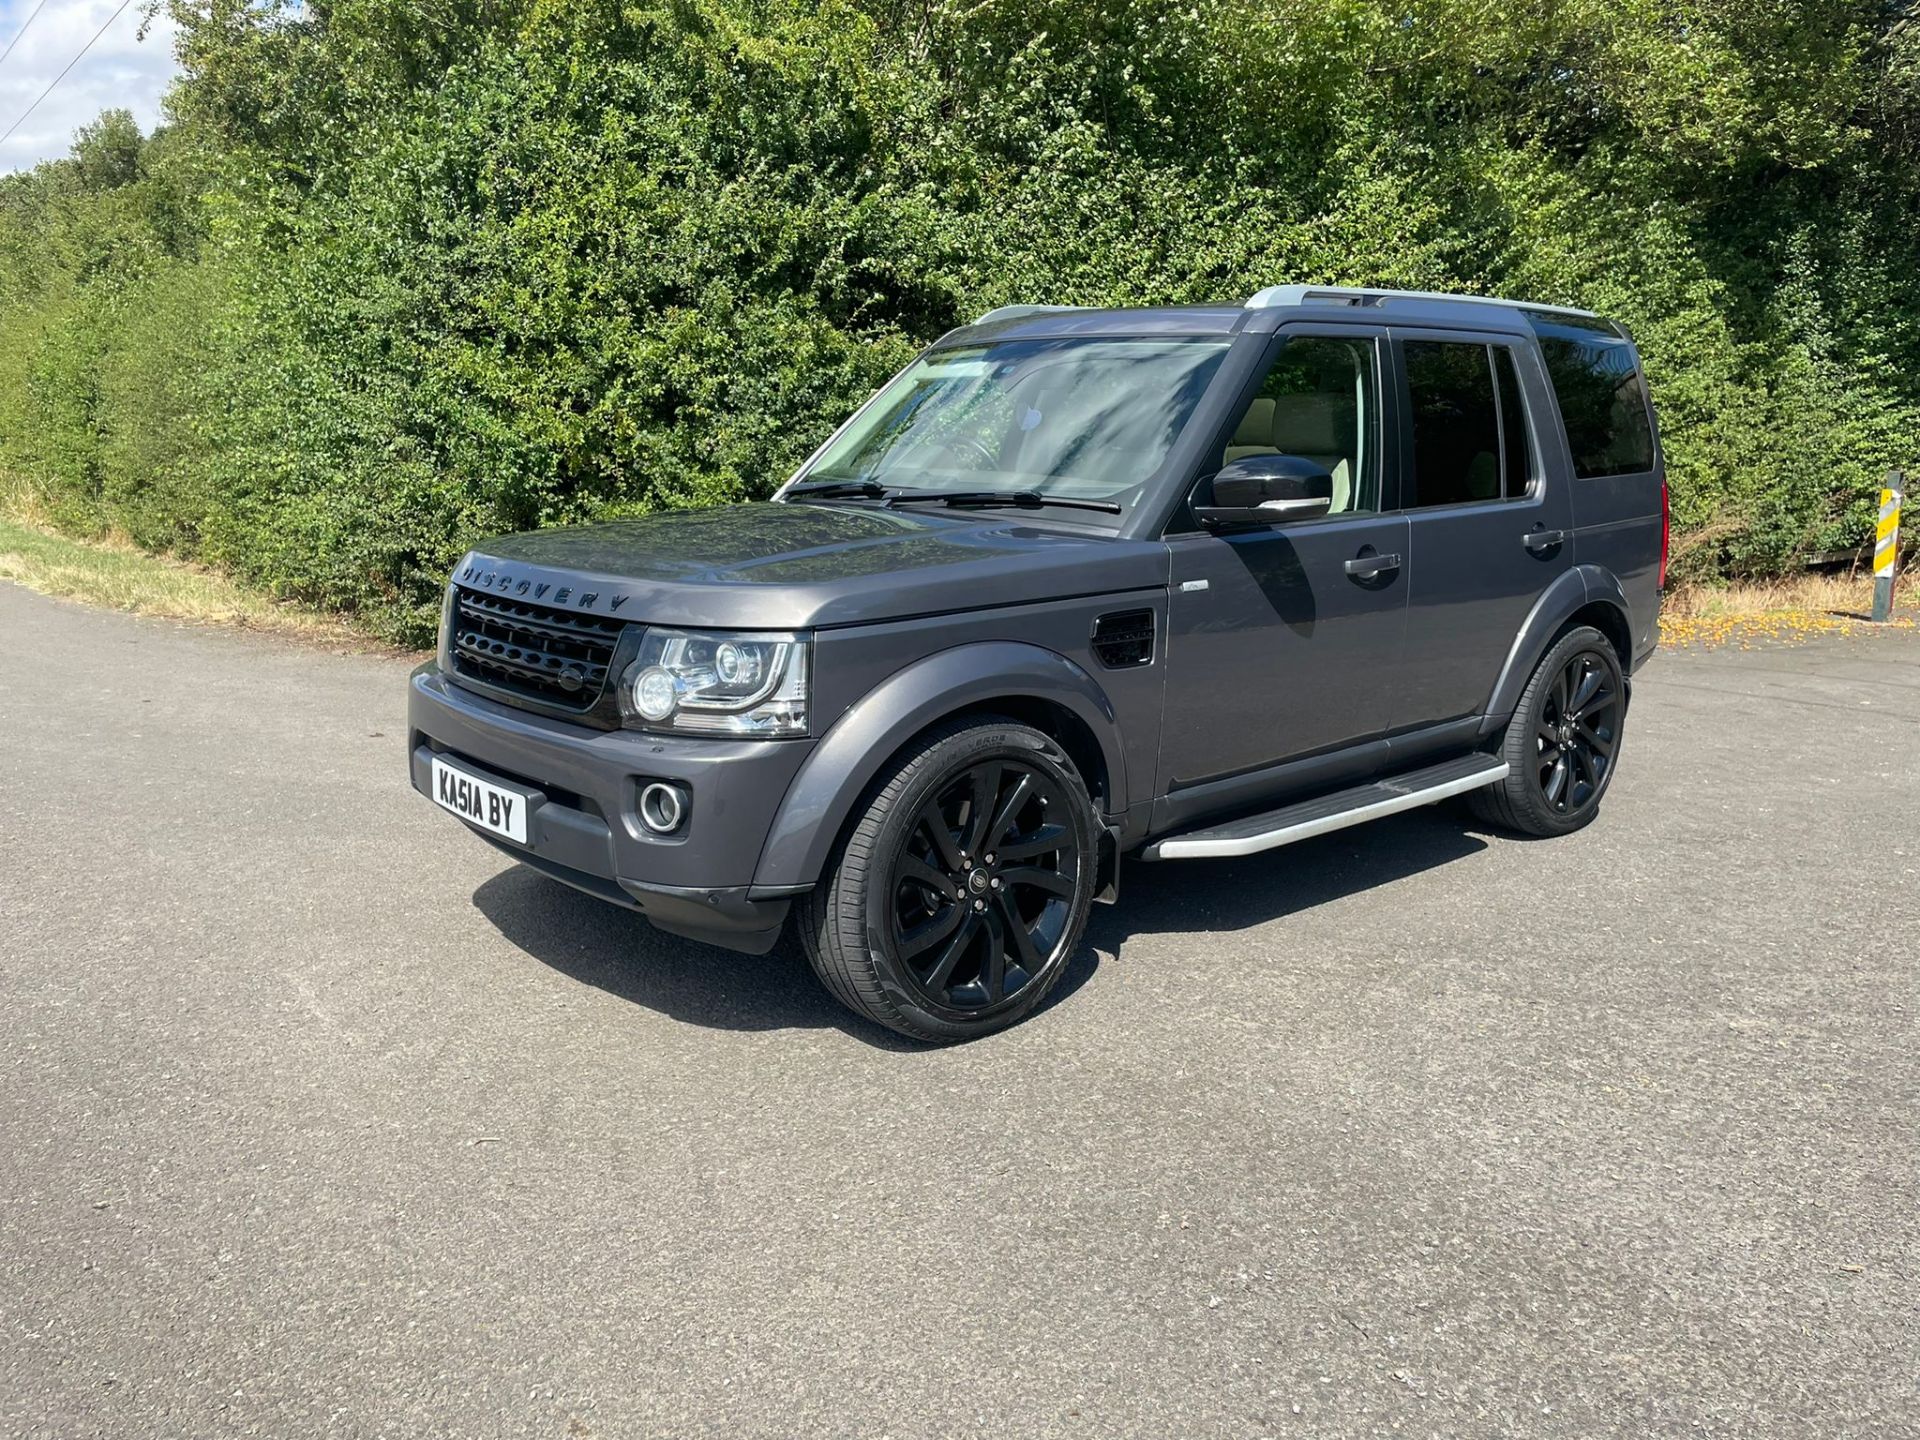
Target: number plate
<point x="494" y="808"/>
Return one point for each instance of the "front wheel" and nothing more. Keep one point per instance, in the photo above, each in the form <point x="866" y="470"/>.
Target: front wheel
<point x="1563" y="742"/>
<point x="952" y="907"/>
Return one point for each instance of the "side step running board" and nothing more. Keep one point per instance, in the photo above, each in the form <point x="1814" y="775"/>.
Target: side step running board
<point x="1333" y="812"/>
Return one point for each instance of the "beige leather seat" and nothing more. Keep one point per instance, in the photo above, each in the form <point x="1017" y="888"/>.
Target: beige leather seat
<point x="1314" y="427"/>
<point x="1255" y="435"/>
<point x="1318" y="428"/>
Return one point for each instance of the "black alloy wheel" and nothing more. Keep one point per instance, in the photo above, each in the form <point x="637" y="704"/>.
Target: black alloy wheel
<point x="958" y="894"/>
<point x="983" y="890"/>
<point x="1563" y="742"/>
<point x="1577" y="733"/>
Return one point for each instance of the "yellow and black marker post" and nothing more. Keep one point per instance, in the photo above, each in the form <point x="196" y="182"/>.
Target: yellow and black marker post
<point x="1886" y="546"/>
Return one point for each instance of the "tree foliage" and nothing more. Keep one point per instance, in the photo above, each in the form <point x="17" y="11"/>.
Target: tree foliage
<point x="402" y="274"/>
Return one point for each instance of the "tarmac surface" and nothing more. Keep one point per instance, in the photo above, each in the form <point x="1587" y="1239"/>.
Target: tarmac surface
<point x="317" y="1117"/>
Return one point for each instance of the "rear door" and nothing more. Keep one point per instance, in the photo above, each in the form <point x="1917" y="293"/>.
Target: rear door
<point x="1490" y="531"/>
<point x="1619" y="479"/>
<point x="1286" y="641"/>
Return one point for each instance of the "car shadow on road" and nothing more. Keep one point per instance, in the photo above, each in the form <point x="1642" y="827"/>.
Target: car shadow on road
<point x="1198" y="897"/>
<point x="619" y="952"/>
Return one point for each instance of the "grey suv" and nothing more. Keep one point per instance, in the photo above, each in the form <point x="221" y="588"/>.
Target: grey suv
<point x="1076" y="584"/>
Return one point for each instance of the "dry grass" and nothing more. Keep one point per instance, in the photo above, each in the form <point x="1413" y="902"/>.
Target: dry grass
<point x="115" y="573"/>
<point x="1789" y="609"/>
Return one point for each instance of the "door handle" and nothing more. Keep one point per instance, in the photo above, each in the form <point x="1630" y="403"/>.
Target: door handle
<point x="1543" y="539"/>
<point x="1362" y="567"/>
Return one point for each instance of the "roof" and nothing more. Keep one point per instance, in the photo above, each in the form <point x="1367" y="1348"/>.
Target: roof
<point x="1351" y="297"/>
<point x="1264" y="311"/>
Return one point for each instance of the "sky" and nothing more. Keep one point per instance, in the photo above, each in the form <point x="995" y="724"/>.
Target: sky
<point x="122" y="70"/>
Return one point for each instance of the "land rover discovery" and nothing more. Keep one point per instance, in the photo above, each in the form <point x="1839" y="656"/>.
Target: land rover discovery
<point x="1077" y="585"/>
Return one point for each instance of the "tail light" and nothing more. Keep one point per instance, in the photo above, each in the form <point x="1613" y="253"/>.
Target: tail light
<point x="1666" y="531"/>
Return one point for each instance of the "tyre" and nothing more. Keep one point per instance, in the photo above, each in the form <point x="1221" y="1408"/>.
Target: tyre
<point x="1563" y="741"/>
<point x="956" y="899"/>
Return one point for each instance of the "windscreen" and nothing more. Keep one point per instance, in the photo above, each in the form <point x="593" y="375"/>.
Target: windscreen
<point x="1090" y="419"/>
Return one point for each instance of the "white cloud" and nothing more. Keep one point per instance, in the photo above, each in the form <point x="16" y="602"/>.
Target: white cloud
<point x="121" y="71"/>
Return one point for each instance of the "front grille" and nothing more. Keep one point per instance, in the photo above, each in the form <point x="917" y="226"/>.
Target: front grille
<point x="558" y="657"/>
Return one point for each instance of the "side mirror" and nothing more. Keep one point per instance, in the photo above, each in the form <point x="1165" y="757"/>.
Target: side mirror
<point x="1264" y="490"/>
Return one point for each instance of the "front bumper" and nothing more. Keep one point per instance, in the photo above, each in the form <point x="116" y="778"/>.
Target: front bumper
<point x="583" y="825"/>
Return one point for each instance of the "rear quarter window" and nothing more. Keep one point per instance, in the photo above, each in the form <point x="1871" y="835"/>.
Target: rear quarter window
<point x="1603" y="397"/>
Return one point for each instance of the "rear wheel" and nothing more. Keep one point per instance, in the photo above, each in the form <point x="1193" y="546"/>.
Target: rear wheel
<point x="1563" y="741"/>
<point x="954" y="904"/>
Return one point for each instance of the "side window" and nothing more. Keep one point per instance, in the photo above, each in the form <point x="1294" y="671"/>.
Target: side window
<point x="1518" y="466"/>
<point x="1456" y="424"/>
<point x="1603" y="400"/>
<point x="1319" y="401"/>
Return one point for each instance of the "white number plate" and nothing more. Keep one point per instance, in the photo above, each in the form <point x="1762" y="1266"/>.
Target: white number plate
<point x="504" y="812"/>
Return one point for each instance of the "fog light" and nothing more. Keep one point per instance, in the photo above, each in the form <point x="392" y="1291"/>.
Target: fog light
<point x="662" y="808"/>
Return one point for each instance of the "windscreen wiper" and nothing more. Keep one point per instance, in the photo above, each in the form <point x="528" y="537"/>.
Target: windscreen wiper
<point x="839" y="489"/>
<point x="988" y="499"/>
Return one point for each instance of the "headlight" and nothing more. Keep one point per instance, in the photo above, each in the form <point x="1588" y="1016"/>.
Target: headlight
<point x="694" y="683"/>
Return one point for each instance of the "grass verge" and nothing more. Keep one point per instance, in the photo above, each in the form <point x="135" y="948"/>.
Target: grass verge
<point x="1790" y="609"/>
<point x="118" y="575"/>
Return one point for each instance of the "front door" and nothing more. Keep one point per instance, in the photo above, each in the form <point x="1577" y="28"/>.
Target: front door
<point x="1491" y="528"/>
<point x="1283" y="642"/>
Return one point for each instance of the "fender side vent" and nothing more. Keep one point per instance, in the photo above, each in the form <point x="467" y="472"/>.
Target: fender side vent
<point x="1124" y="639"/>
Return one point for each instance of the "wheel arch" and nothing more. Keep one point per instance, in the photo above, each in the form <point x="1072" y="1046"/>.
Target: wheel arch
<point x="1026" y="683"/>
<point x="1584" y="595"/>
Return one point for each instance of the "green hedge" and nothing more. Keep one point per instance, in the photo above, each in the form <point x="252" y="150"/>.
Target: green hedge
<point x="391" y="282"/>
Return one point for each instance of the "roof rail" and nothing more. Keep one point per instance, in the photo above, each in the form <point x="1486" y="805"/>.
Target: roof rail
<point x="1016" y="312"/>
<point x="1283" y="295"/>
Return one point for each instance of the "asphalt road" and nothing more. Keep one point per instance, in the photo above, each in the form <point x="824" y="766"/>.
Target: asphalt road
<point x="318" y="1118"/>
